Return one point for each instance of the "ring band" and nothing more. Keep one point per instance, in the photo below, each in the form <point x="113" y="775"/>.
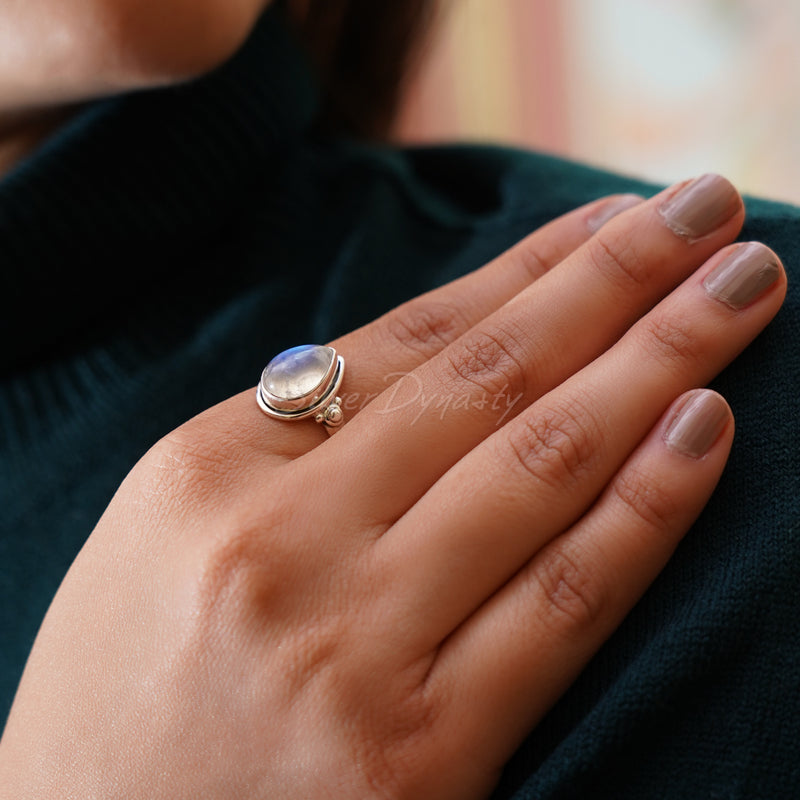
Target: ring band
<point x="302" y="382"/>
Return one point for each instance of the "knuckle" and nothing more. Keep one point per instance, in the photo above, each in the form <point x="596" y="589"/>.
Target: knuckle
<point x="572" y="588"/>
<point x="189" y="464"/>
<point x="425" y="326"/>
<point x="557" y="446"/>
<point x="492" y="359"/>
<point x="530" y="259"/>
<point x="649" y="503"/>
<point x="668" y="340"/>
<point x="179" y="464"/>
<point x="617" y="259"/>
<point x="391" y="757"/>
<point x="226" y="570"/>
<point x="246" y="567"/>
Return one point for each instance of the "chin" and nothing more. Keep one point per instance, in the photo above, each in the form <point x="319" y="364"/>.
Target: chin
<point x="79" y="50"/>
<point x="165" y="41"/>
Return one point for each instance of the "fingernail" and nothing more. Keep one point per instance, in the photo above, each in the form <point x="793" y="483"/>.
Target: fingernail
<point x="700" y="207"/>
<point x="610" y="209"/>
<point x="697" y="424"/>
<point x="744" y="275"/>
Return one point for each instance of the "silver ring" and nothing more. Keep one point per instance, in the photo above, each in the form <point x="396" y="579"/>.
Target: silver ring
<point x="302" y="382"/>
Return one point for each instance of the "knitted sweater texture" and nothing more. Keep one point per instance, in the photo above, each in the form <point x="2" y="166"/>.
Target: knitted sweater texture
<point x="162" y="246"/>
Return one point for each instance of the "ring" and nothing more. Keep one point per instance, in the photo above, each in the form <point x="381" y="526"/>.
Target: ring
<point x="302" y="382"/>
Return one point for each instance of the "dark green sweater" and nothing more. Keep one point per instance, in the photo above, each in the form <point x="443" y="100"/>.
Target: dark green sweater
<point x="162" y="246"/>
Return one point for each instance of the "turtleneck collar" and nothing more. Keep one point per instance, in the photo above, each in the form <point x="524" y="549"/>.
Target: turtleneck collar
<point x="130" y="186"/>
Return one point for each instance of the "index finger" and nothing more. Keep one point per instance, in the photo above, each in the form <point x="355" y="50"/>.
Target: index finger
<point x="409" y="335"/>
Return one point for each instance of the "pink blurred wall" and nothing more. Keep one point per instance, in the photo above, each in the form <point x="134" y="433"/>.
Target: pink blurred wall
<point x="663" y="89"/>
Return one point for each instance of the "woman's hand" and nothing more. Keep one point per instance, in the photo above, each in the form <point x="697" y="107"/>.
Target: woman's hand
<point x="265" y="612"/>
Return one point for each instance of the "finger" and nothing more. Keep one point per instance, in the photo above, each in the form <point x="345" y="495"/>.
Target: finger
<point x="399" y="341"/>
<point x="422" y="425"/>
<point x="534" y="478"/>
<point x="511" y="661"/>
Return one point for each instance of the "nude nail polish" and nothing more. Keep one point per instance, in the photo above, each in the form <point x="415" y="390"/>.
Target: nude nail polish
<point x="611" y="208"/>
<point x="697" y="423"/>
<point x="744" y="275"/>
<point x="699" y="208"/>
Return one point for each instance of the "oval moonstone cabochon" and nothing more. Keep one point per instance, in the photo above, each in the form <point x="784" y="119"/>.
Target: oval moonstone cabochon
<point x="299" y="376"/>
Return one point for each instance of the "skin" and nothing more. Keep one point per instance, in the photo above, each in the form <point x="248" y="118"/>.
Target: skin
<point x="55" y="54"/>
<point x="265" y="611"/>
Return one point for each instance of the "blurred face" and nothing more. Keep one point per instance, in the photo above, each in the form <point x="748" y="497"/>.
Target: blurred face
<point x="57" y="52"/>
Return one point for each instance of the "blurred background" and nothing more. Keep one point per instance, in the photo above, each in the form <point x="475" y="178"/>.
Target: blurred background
<point x="660" y="89"/>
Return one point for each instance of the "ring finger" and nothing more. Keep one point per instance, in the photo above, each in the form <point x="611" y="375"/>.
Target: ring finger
<point x="402" y="339"/>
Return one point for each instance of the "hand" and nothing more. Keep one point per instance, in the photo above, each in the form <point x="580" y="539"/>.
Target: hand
<point x="265" y="612"/>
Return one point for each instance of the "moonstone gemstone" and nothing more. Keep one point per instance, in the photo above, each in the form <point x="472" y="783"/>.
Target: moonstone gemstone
<point x="298" y="372"/>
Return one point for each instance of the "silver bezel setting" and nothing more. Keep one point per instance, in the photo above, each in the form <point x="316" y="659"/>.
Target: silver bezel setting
<point x="318" y="403"/>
